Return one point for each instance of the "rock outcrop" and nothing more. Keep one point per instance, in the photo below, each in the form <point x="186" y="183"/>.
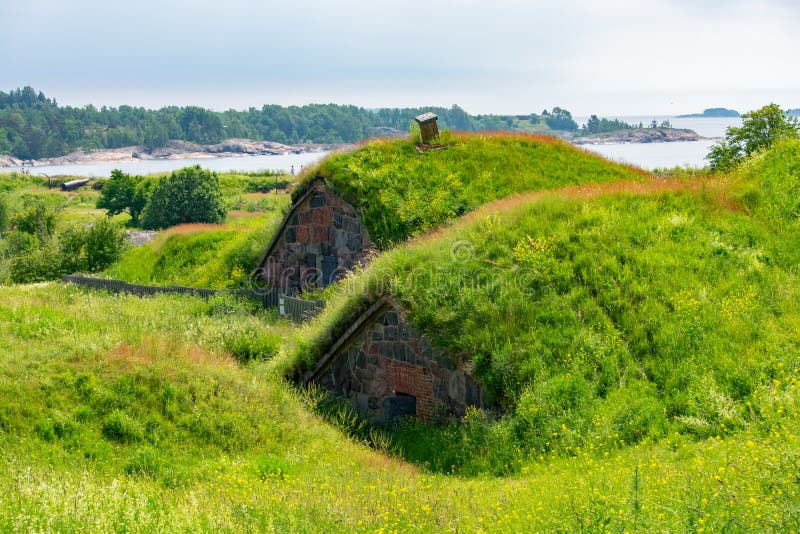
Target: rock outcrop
<point x="639" y="135"/>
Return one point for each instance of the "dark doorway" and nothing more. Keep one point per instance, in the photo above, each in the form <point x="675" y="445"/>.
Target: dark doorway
<point x="401" y="405"/>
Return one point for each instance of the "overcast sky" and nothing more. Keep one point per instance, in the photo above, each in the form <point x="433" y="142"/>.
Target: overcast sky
<point x="622" y="57"/>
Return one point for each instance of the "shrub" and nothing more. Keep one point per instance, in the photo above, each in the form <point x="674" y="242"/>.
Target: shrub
<point x="188" y="195"/>
<point x="90" y="249"/>
<point x="246" y="344"/>
<point x="37" y="265"/>
<point x="760" y="130"/>
<point x="35" y="218"/>
<point x="3" y="212"/>
<point x="17" y="243"/>
<point x="124" y="193"/>
<point x="84" y="249"/>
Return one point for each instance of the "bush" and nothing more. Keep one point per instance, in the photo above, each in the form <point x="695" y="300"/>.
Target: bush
<point x="90" y="249"/>
<point x="246" y="344"/>
<point x="17" y="243"/>
<point x="188" y="195"/>
<point x="77" y="249"/>
<point x="35" y="218"/>
<point x="124" y="193"/>
<point x="37" y="265"/>
<point x="760" y="130"/>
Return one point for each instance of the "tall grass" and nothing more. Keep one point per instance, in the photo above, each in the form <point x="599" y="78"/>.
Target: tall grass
<point x="616" y="321"/>
<point x="213" y="256"/>
<point x="401" y="193"/>
<point x="120" y="413"/>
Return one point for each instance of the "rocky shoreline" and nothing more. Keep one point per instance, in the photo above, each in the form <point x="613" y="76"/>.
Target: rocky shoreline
<point x="639" y="135"/>
<point x="174" y="150"/>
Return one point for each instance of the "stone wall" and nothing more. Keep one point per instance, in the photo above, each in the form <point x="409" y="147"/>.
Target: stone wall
<point x="321" y="239"/>
<point x="388" y="369"/>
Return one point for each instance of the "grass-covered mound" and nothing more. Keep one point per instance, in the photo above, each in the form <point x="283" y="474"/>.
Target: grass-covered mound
<point x="216" y="256"/>
<point x="126" y="414"/>
<point x="771" y="187"/>
<point x="400" y="192"/>
<point x="606" y="320"/>
<point x="203" y="255"/>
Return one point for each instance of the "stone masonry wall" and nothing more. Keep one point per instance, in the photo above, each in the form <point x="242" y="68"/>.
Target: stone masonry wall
<point x="322" y="240"/>
<point x="390" y="361"/>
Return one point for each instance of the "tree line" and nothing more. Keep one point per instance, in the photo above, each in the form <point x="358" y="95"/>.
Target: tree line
<point x="34" y="126"/>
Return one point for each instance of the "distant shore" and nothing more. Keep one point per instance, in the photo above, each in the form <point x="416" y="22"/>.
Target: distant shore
<point x="639" y="135"/>
<point x="175" y="150"/>
<point x="179" y="150"/>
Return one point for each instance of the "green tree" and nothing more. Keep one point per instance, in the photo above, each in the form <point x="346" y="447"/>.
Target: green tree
<point x="759" y="131"/>
<point x="90" y="248"/>
<point x="141" y="194"/>
<point x="561" y="119"/>
<point x="122" y="193"/>
<point x="36" y="218"/>
<point x="188" y="195"/>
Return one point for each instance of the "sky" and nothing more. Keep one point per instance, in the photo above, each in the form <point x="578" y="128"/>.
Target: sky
<point x="624" y="57"/>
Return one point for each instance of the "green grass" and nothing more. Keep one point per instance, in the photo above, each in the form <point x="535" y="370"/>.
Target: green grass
<point x="401" y="193"/>
<point x="213" y="256"/>
<point x="126" y="414"/>
<point x="627" y="317"/>
<point x="643" y="347"/>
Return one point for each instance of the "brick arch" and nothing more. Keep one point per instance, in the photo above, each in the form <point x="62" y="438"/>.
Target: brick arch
<point x="381" y="355"/>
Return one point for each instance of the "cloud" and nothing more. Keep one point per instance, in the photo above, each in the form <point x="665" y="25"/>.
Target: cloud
<point x="504" y="56"/>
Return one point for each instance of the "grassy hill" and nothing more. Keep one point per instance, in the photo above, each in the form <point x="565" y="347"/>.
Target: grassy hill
<point x="128" y="414"/>
<point x="595" y="315"/>
<point x="640" y="335"/>
<point x="401" y="193"/>
<point x="204" y="255"/>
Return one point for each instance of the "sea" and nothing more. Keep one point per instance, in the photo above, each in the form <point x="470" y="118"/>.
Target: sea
<point x="652" y="156"/>
<point x="649" y="156"/>
<point x="282" y="162"/>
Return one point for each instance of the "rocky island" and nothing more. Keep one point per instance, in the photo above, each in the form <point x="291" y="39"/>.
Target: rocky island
<point x="711" y="113"/>
<point x="638" y="135"/>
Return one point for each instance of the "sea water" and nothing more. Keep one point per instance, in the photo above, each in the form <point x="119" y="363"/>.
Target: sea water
<point x="282" y="162"/>
<point x="646" y="155"/>
<point x="667" y="155"/>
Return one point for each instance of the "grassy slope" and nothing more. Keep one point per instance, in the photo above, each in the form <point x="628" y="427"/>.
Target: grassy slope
<point x="124" y="414"/>
<point x="401" y="193"/>
<point x="119" y="413"/>
<point x="624" y="317"/>
<point x="215" y="256"/>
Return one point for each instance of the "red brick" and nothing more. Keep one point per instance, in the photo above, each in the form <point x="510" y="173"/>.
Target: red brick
<point x="319" y="234"/>
<point x="302" y="234"/>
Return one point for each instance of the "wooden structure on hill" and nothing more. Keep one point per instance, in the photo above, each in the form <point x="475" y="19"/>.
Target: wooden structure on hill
<point x="428" y="128"/>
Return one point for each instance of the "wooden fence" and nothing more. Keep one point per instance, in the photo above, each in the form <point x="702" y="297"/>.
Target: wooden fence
<point x="297" y="310"/>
